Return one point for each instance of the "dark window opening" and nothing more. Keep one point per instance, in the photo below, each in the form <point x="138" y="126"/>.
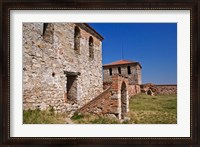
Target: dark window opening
<point x="129" y="70"/>
<point x="44" y="27"/>
<point x="77" y="37"/>
<point x="47" y="33"/>
<point x="110" y="70"/>
<point x="91" y="48"/>
<point x="123" y="100"/>
<point x="53" y="74"/>
<point x="119" y="70"/>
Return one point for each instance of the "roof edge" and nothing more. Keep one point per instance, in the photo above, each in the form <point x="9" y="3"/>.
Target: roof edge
<point x="107" y="65"/>
<point x="91" y="30"/>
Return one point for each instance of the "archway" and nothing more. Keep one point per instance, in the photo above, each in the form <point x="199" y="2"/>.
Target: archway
<point x="123" y="100"/>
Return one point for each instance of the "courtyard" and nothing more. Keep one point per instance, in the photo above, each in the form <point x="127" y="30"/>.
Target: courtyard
<point x="143" y="109"/>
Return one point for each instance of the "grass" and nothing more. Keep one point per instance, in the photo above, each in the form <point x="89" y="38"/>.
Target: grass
<point x="143" y="109"/>
<point x="93" y="119"/>
<point x="43" y="117"/>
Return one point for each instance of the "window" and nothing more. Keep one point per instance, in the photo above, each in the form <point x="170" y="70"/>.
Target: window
<point x="48" y="32"/>
<point x="77" y="37"/>
<point x="119" y="70"/>
<point x="44" y="27"/>
<point x="110" y="71"/>
<point x="129" y="70"/>
<point x="91" y="48"/>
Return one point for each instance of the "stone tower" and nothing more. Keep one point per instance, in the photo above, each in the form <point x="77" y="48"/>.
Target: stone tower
<point x="129" y="69"/>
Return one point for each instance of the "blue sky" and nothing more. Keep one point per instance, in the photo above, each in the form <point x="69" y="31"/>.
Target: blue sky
<point x="154" y="45"/>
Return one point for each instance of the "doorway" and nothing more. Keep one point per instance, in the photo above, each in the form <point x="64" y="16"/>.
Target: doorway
<point x="123" y="100"/>
<point x="72" y="86"/>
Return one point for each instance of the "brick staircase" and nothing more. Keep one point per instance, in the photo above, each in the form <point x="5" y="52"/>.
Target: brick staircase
<point x="94" y="102"/>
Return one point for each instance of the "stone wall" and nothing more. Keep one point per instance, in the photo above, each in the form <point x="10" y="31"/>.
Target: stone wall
<point x="101" y="104"/>
<point x="153" y="89"/>
<point x="106" y="85"/>
<point x="134" y="78"/>
<point x="48" y="54"/>
<point x="133" y="90"/>
<point x="166" y="89"/>
<point x="111" y="100"/>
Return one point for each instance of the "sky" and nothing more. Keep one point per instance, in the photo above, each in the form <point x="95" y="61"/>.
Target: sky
<point x="153" y="45"/>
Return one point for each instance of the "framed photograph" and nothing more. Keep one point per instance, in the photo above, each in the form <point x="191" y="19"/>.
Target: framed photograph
<point x="100" y="73"/>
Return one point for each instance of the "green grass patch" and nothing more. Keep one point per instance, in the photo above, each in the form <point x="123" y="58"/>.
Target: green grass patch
<point x="161" y="109"/>
<point x="143" y="109"/>
<point x="77" y="116"/>
<point x="93" y="119"/>
<point x="43" y="117"/>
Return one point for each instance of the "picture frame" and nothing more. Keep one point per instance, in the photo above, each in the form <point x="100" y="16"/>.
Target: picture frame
<point x="192" y="5"/>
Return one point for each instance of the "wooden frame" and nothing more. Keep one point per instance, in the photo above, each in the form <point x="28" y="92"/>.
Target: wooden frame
<point x="192" y="5"/>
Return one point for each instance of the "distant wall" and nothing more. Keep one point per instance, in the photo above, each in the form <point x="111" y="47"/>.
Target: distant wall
<point x="166" y="89"/>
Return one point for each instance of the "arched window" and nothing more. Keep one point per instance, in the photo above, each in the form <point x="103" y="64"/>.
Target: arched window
<point x="91" y="48"/>
<point x="77" y="37"/>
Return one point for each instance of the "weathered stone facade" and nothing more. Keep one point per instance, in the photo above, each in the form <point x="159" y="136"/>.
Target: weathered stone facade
<point x="113" y="101"/>
<point x="129" y="69"/>
<point x="62" y="65"/>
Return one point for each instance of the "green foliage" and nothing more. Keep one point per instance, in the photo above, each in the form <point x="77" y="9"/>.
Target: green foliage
<point x="42" y="117"/>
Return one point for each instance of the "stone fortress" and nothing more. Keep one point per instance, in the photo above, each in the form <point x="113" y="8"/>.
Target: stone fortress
<point x="62" y="65"/>
<point x="62" y="69"/>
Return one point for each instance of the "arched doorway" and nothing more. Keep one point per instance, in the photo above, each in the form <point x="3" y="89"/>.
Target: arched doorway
<point x="123" y="100"/>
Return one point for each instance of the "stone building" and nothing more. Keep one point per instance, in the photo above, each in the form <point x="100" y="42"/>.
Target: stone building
<point x="62" y="65"/>
<point x="129" y="69"/>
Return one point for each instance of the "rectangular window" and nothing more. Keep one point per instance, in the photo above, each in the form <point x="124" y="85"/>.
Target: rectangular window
<point x="129" y="70"/>
<point x="119" y="70"/>
<point x="110" y="70"/>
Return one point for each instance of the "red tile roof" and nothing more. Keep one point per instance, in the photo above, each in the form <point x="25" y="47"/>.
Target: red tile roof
<point x="121" y="62"/>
